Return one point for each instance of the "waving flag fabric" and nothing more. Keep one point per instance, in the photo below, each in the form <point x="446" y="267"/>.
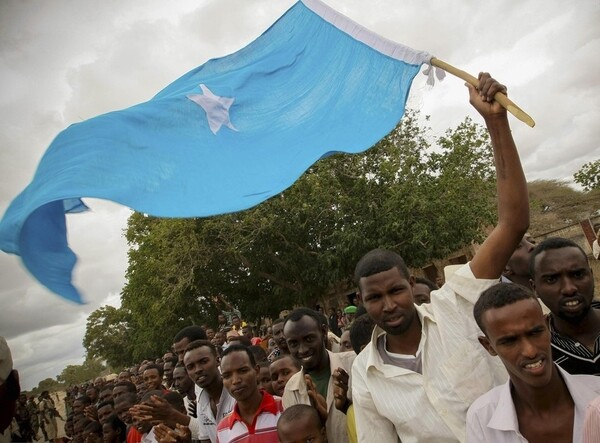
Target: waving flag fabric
<point x="222" y="138"/>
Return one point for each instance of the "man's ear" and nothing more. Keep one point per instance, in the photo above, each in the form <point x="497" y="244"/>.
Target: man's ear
<point x="411" y="281"/>
<point x="532" y="285"/>
<point x="359" y="297"/>
<point x="507" y="271"/>
<point x="485" y="342"/>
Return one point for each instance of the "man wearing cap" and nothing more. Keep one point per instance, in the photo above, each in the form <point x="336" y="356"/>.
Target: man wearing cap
<point x="350" y="313"/>
<point x="9" y="391"/>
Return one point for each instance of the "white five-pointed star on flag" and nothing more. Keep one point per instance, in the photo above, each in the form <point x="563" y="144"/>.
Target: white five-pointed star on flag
<point x="216" y="108"/>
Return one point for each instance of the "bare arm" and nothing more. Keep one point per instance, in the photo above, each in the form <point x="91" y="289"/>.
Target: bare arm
<point x="513" y="199"/>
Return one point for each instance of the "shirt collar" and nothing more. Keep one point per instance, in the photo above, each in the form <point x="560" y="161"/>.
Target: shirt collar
<point x="504" y="417"/>
<point x="267" y="404"/>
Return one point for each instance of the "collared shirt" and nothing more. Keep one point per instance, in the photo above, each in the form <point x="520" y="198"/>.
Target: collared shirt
<point x="572" y="356"/>
<point x="391" y="402"/>
<point x="295" y="393"/>
<point x="591" y="424"/>
<point x="493" y="418"/>
<point x="204" y="427"/>
<point x="263" y="428"/>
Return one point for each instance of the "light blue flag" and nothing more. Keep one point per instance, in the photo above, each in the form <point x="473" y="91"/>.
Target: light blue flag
<point x="222" y="138"/>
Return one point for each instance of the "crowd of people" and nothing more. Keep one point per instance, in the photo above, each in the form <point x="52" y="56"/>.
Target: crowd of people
<point x="476" y="359"/>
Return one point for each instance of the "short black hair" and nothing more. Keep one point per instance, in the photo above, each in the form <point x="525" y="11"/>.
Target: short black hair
<point x="159" y="368"/>
<point x="379" y="260"/>
<point x="294" y="360"/>
<point x="549" y="244"/>
<point x="192" y="333"/>
<point x="425" y="281"/>
<point x="239" y="348"/>
<point x="298" y="313"/>
<point x="361" y="331"/>
<point x="294" y="412"/>
<point x="498" y="296"/>
<point x="201" y="343"/>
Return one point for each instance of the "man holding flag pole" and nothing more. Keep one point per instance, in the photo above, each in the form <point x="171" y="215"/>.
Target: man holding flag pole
<point x="423" y="368"/>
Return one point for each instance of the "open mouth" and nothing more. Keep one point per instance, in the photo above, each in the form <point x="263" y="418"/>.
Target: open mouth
<point x="572" y="305"/>
<point x="536" y="367"/>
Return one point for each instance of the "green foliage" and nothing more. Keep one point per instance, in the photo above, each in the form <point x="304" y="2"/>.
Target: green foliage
<point x="48" y="384"/>
<point x="76" y="374"/>
<point x="302" y="245"/>
<point x="589" y="175"/>
<point x="106" y="336"/>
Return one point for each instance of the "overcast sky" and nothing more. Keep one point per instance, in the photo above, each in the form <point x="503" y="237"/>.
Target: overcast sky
<point x="65" y="61"/>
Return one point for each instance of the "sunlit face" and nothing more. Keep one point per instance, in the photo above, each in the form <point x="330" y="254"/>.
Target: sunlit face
<point x="387" y="297"/>
<point x="240" y="378"/>
<point x="517" y="333"/>
<point x="564" y="281"/>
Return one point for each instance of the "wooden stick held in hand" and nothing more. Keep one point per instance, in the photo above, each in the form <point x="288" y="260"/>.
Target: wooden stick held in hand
<point x="499" y="97"/>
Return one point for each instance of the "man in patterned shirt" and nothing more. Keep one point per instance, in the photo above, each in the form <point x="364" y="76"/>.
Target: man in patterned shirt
<point x="562" y="278"/>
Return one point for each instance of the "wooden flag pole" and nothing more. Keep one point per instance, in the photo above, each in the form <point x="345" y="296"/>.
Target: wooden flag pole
<point x="499" y="97"/>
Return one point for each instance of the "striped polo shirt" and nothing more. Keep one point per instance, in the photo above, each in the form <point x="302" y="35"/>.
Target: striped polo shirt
<point x="262" y="429"/>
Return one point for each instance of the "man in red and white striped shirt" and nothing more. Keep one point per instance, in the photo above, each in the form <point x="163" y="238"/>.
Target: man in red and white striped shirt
<point x="255" y="414"/>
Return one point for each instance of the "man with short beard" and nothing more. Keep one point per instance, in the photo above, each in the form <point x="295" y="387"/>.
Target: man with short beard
<point x="563" y="280"/>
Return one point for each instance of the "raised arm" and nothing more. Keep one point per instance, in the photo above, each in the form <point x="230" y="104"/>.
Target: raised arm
<point x="513" y="199"/>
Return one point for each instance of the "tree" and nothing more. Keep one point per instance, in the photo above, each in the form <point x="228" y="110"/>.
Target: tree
<point x="589" y="175"/>
<point x="423" y="201"/>
<point x="47" y="384"/>
<point x="76" y="374"/>
<point x="106" y="336"/>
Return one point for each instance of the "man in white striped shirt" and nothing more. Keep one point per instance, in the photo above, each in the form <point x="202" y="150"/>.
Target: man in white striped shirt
<point x="424" y="366"/>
